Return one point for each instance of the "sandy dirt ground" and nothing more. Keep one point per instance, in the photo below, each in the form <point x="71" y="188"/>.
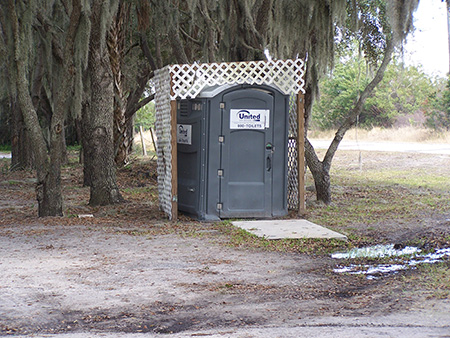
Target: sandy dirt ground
<point x="122" y="274"/>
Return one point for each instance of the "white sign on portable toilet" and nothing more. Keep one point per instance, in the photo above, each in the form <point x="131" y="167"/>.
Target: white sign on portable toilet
<point x="184" y="134"/>
<point x="249" y="118"/>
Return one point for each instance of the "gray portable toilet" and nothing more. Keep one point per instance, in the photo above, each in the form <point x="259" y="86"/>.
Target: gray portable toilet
<point x="232" y="152"/>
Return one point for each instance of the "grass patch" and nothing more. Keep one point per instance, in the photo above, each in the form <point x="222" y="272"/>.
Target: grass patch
<point x="392" y="179"/>
<point x="5" y="147"/>
<point x="4" y="166"/>
<point x="75" y="147"/>
<point x="365" y="204"/>
<point x="373" y="197"/>
<point x="435" y="278"/>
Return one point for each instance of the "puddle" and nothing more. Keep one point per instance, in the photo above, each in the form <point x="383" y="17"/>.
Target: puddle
<point x="405" y="258"/>
<point x="377" y="251"/>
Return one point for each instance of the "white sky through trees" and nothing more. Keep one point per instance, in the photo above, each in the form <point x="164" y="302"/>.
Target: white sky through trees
<point x="428" y="45"/>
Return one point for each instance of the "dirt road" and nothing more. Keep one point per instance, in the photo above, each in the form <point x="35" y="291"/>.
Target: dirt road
<point x="402" y="147"/>
<point x="97" y="281"/>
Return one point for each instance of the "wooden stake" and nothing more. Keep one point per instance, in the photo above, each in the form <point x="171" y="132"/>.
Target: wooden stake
<point x="144" y="149"/>
<point x="153" y="139"/>
<point x="173" y="122"/>
<point x="301" y="152"/>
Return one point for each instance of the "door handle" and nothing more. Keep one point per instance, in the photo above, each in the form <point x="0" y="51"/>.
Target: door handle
<point x="269" y="163"/>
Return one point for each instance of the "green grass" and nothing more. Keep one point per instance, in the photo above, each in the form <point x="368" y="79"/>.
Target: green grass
<point x="370" y="200"/>
<point x="75" y="147"/>
<point x="435" y="278"/>
<point x="371" y="197"/>
<point x="5" y="147"/>
<point x="414" y="178"/>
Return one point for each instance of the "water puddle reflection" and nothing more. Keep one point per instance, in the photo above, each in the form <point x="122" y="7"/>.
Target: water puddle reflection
<point x="403" y="259"/>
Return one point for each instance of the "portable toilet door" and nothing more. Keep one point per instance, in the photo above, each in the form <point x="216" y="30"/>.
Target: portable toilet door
<point x="248" y="146"/>
<point x="232" y="153"/>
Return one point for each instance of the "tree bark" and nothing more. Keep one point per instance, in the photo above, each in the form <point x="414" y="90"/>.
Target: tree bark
<point x="99" y="151"/>
<point x="448" y="32"/>
<point x="21" y="153"/>
<point x="116" y="43"/>
<point x="48" y="168"/>
<point x="29" y="115"/>
<point x="85" y="156"/>
<point x="321" y="169"/>
<point x="5" y="118"/>
<point x="57" y="139"/>
<point x="210" y="40"/>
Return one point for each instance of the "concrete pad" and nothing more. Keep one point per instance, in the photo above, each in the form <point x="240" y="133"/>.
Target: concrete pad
<point x="287" y="228"/>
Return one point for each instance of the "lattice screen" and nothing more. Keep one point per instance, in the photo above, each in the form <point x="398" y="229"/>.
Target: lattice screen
<point x="292" y="194"/>
<point x="164" y="138"/>
<point x="188" y="80"/>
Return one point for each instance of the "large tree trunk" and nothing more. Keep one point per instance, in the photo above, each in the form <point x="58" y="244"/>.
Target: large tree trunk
<point x="320" y="172"/>
<point x="116" y="46"/>
<point x="99" y="151"/>
<point x="321" y="169"/>
<point x="5" y="118"/>
<point x="31" y="120"/>
<point x="100" y="148"/>
<point x="85" y="156"/>
<point x="21" y="151"/>
<point x="48" y="169"/>
<point x="58" y="153"/>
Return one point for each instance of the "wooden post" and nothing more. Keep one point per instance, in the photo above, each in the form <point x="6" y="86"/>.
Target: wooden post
<point x="301" y="152"/>
<point x="153" y="139"/>
<point x="144" y="149"/>
<point x="173" y="122"/>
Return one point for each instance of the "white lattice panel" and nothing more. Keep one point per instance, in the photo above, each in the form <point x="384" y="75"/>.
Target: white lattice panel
<point x="163" y="136"/>
<point x="188" y="80"/>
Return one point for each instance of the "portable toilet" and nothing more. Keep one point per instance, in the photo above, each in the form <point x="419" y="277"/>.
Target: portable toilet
<point x="232" y="152"/>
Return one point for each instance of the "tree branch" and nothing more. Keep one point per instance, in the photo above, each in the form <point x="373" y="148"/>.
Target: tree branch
<point x="262" y="19"/>
<point x="146" y="50"/>
<point x="350" y="121"/>
<point x="143" y="102"/>
<point x="133" y="103"/>
<point x="177" y="46"/>
<point x="190" y="38"/>
<point x="210" y="40"/>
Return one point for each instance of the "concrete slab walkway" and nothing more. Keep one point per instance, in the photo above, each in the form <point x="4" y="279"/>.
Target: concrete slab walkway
<point x="289" y="228"/>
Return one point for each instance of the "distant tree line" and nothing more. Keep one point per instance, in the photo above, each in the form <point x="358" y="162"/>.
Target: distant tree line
<point x="405" y="96"/>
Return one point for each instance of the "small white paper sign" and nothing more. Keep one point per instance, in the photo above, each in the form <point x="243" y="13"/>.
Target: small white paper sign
<point x="184" y="134"/>
<point x="249" y="118"/>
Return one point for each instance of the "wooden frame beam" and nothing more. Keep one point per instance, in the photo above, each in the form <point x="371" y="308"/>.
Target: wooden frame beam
<point x="173" y="131"/>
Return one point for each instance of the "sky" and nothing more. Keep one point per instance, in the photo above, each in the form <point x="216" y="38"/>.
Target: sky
<point x="428" y="45"/>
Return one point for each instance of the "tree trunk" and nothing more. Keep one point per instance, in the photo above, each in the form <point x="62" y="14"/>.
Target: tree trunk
<point x="99" y="151"/>
<point x="31" y="121"/>
<point x="79" y="131"/>
<point x="448" y="32"/>
<point x="321" y="169"/>
<point x="48" y="169"/>
<point x="5" y="118"/>
<point x="21" y="152"/>
<point x="320" y="174"/>
<point x="116" y="46"/>
<point x="58" y="152"/>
